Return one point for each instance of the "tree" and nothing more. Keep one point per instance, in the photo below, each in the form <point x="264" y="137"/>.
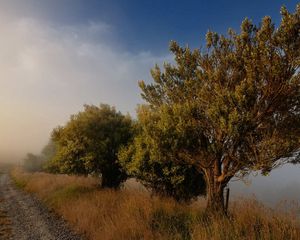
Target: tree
<point x="90" y="141"/>
<point x="48" y="153"/>
<point x="49" y="150"/>
<point x="32" y="163"/>
<point x="233" y="107"/>
<point x="152" y="164"/>
<point x="39" y="162"/>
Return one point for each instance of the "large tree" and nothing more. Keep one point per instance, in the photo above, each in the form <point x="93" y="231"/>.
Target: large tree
<point x="234" y="106"/>
<point x="154" y="163"/>
<point x="89" y="143"/>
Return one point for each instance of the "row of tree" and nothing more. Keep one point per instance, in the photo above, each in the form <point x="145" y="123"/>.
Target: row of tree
<point x="215" y="114"/>
<point x="103" y="142"/>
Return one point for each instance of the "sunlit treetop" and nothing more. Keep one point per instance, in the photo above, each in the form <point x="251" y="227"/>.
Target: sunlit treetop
<point x="234" y="105"/>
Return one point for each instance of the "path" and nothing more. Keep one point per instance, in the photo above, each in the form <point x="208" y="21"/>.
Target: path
<point x="23" y="217"/>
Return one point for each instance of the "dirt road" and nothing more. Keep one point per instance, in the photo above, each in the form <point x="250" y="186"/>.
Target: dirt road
<point x="23" y="217"/>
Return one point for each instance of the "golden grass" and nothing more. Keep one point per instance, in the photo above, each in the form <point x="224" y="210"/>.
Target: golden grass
<point x="133" y="214"/>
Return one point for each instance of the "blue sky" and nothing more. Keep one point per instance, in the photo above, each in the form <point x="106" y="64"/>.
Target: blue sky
<point x="140" y="25"/>
<point x="56" y="55"/>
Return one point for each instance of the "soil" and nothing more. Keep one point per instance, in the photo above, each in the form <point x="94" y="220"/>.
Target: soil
<point x="24" y="217"/>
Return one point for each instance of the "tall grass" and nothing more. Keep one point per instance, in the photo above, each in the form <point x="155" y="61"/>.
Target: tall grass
<point x="133" y="214"/>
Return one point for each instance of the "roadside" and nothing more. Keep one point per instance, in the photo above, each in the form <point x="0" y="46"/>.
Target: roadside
<point x="130" y="213"/>
<point x="25" y="218"/>
<point x="5" y="223"/>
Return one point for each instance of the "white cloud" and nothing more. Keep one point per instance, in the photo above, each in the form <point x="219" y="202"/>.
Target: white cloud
<point x="48" y="72"/>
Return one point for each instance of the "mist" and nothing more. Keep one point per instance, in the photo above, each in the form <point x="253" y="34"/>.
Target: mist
<point x="282" y="184"/>
<point x="48" y="71"/>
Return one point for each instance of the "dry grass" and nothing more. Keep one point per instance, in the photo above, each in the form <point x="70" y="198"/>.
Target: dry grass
<point x="132" y="214"/>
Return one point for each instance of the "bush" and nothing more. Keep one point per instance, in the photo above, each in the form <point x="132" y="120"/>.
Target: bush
<point x="163" y="177"/>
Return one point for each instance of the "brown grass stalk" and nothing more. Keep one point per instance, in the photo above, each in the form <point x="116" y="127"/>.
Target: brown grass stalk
<point x="133" y="214"/>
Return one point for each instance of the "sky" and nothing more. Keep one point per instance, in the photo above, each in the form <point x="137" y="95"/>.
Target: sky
<point x="56" y="55"/>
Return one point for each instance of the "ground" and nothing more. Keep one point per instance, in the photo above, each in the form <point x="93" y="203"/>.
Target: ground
<point x="23" y="217"/>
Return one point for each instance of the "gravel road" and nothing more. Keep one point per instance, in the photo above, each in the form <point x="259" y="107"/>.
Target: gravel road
<point x="23" y="217"/>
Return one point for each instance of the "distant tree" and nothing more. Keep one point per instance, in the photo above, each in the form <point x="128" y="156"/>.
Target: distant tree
<point x="47" y="154"/>
<point x="49" y="150"/>
<point x="155" y="165"/>
<point x="39" y="162"/>
<point x="32" y="163"/>
<point x="90" y="141"/>
<point x="232" y="108"/>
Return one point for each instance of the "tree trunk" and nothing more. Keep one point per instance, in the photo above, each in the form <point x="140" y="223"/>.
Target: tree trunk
<point x="110" y="181"/>
<point x="215" y="194"/>
<point x="112" y="177"/>
<point x="215" y="201"/>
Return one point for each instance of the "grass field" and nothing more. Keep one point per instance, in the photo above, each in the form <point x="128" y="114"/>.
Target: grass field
<point x="133" y="214"/>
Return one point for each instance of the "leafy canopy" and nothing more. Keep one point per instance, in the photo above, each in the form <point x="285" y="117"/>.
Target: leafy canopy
<point x="152" y="161"/>
<point x="89" y="143"/>
<point x="234" y="106"/>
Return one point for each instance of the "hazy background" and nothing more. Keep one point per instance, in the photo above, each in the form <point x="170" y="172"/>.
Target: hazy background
<point x="56" y="55"/>
<point x="49" y="69"/>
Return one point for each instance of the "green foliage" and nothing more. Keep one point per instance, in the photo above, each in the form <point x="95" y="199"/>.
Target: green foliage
<point x="89" y="143"/>
<point x="232" y="108"/>
<point x="32" y="163"/>
<point x="152" y="159"/>
<point x="49" y="151"/>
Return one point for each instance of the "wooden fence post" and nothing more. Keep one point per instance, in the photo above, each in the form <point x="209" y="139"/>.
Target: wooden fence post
<point x="227" y="199"/>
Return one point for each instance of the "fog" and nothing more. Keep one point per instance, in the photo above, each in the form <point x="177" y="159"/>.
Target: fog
<point x="283" y="184"/>
<point x="49" y="70"/>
